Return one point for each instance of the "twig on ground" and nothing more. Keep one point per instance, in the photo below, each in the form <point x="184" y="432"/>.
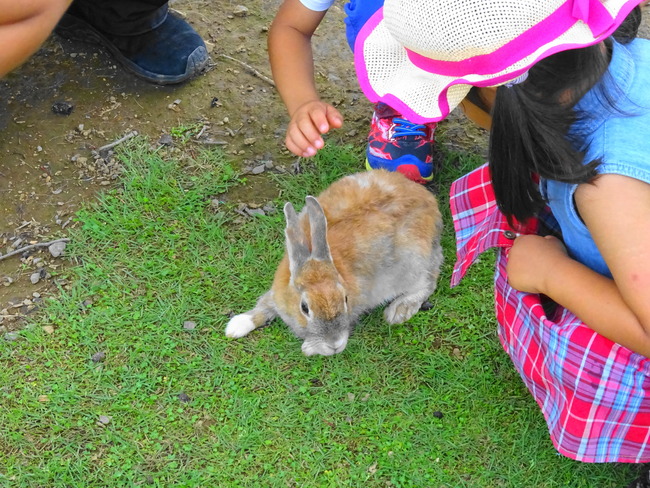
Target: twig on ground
<point x="213" y="143"/>
<point x="119" y="141"/>
<point x="198" y="136"/>
<point x="32" y="246"/>
<point x="250" y="68"/>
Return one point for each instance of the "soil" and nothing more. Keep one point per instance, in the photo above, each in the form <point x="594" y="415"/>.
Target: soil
<point x="71" y="98"/>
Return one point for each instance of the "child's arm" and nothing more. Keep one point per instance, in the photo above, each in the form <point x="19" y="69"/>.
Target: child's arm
<point x="293" y="71"/>
<point x="24" y="26"/>
<point x="616" y="209"/>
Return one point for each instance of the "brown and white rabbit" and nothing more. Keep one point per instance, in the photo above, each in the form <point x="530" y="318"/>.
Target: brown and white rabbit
<point x="368" y="239"/>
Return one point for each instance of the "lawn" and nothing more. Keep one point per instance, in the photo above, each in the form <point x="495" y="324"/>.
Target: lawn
<point x="137" y="385"/>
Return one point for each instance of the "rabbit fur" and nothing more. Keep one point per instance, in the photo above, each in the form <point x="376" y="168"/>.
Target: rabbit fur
<point x="370" y="238"/>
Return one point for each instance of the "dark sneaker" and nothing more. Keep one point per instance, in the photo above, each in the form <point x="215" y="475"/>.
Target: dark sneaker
<point x="171" y="53"/>
<point x="396" y="144"/>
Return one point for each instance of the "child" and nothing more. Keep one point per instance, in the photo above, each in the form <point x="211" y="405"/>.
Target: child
<point x="571" y="130"/>
<point x="394" y="143"/>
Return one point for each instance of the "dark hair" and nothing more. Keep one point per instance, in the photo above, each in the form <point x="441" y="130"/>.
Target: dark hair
<point x="531" y="121"/>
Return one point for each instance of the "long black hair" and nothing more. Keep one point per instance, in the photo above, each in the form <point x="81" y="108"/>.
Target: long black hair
<point x="531" y="122"/>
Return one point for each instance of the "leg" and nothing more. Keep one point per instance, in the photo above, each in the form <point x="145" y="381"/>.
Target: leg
<point x="408" y="304"/>
<point x="244" y="323"/>
<point x="119" y="17"/>
<point x="142" y="35"/>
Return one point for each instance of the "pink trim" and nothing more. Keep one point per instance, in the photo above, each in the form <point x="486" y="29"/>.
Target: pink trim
<point x="522" y="46"/>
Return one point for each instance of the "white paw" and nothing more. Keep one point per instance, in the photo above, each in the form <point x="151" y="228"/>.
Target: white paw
<point x="311" y="348"/>
<point x="400" y="311"/>
<point x="239" y="326"/>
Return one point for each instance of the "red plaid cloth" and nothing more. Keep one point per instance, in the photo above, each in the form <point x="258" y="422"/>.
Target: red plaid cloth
<point x="594" y="393"/>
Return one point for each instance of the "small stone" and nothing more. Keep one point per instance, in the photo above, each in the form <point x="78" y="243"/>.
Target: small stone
<point x="57" y="249"/>
<point x="437" y="414"/>
<point x="62" y="108"/>
<point x="254" y="211"/>
<point x="11" y="336"/>
<point x="166" y="140"/>
<point x="257" y="170"/>
<point x="189" y="325"/>
<point x="43" y="398"/>
<point x="240" y="11"/>
<point x="98" y="357"/>
<point x="35" y="277"/>
<point x="184" y="397"/>
<point x="103" y="420"/>
<point x="249" y="141"/>
<point x="48" y="329"/>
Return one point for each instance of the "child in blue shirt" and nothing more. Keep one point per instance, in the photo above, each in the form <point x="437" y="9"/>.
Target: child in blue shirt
<point x="394" y="143"/>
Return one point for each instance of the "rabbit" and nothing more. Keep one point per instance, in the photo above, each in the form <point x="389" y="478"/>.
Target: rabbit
<point x="368" y="239"/>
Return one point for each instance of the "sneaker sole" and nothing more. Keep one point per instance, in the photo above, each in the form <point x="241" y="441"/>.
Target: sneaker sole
<point x="73" y="28"/>
<point x="411" y="171"/>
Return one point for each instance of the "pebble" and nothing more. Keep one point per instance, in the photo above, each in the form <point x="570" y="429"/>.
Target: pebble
<point x="240" y="11"/>
<point x="35" y="277"/>
<point x="258" y="169"/>
<point x="62" y="108"/>
<point x="57" y="249"/>
<point x="189" y="325"/>
<point x="11" y="336"/>
<point x="103" y="420"/>
<point x="98" y="357"/>
<point x="48" y="329"/>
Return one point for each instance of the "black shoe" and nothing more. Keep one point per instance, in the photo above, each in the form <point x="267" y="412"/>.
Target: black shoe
<point x="171" y="53"/>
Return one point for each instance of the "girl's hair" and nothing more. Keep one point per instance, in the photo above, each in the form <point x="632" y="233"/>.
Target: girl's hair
<point x="531" y="122"/>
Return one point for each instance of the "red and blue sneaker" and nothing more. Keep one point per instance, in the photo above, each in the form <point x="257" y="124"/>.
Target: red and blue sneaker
<point x="396" y="144"/>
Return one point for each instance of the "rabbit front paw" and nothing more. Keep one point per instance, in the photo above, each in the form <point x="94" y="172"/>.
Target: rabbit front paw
<point x="400" y="310"/>
<point x="239" y="326"/>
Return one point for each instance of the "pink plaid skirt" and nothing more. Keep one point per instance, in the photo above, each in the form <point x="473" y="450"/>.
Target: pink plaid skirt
<point x="594" y="393"/>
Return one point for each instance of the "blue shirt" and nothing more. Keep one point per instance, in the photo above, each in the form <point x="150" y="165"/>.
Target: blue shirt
<point x="619" y="137"/>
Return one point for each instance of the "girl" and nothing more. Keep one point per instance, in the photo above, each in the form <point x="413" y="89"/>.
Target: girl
<point x="394" y="143"/>
<point x="569" y="159"/>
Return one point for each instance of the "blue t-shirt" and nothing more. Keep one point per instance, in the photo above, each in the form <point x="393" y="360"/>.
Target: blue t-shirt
<point x="619" y="137"/>
<point x="357" y="14"/>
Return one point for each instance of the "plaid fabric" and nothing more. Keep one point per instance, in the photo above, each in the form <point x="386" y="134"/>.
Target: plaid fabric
<point x="594" y="393"/>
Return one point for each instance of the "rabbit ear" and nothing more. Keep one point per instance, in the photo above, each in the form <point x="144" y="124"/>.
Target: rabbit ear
<point x="320" y="249"/>
<point x="297" y="247"/>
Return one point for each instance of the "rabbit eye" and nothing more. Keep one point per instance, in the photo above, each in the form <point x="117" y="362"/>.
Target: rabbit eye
<point x="304" y="308"/>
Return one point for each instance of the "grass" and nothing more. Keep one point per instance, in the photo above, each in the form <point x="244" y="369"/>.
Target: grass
<point x="175" y="407"/>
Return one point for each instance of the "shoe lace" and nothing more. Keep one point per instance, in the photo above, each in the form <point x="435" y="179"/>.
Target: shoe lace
<point x="403" y="127"/>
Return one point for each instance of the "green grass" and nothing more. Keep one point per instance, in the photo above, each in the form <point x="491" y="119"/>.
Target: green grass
<point x="190" y="408"/>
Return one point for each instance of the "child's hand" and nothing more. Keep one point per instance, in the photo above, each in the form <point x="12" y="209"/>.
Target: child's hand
<point x="307" y="124"/>
<point x="533" y="260"/>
